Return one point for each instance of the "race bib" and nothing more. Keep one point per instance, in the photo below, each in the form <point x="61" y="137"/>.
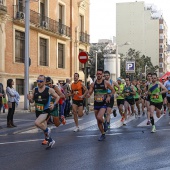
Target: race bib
<point x="39" y="107"/>
<point x="99" y="98"/>
<point x="155" y="96"/>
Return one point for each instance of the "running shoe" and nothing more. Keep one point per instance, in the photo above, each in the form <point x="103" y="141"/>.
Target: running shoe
<point x="153" y="129"/>
<point x="114" y="113"/>
<point x="124" y="123"/>
<point x="51" y="144"/>
<point x="143" y="114"/>
<point x="44" y="142"/>
<point x="148" y="122"/>
<point x="63" y="120"/>
<point x="76" y="129"/>
<point x="102" y="137"/>
<point x="122" y="119"/>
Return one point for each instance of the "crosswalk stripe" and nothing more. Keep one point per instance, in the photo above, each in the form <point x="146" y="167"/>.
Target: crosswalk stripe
<point x="144" y="123"/>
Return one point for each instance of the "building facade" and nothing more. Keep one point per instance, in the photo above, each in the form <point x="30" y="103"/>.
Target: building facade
<point x="59" y="30"/>
<point x="144" y="27"/>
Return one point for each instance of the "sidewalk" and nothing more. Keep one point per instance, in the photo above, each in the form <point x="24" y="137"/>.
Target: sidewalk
<point x="20" y="108"/>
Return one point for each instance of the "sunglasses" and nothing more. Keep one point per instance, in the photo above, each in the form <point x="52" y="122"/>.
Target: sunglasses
<point x="99" y="73"/>
<point x="40" y="81"/>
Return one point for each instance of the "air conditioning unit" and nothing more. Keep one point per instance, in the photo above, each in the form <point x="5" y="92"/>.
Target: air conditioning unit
<point x="61" y="31"/>
<point x="20" y="15"/>
<point x="45" y="24"/>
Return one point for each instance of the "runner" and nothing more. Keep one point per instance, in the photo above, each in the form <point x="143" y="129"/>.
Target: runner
<point x="111" y="103"/>
<point x="136" y="96"/>
<point x="167" y="85"/>
<point x="77" y="88"/>
<point x="129" y="93"/>
<point x="164" y="98"/>
<point x="143" y="95"/>
<point x="101" y="97"/>
<point x="120" y="98"/>
<point x="147" y="102"/>
<point x="42" y="97"/>
<point x="156" y="99"/>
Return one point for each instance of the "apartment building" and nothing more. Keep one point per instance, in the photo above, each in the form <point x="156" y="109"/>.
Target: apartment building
<point x="144" y="27"/>
<point x="59" y="30"/>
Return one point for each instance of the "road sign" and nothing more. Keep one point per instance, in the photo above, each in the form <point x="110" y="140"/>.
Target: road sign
<point x="83" y="57"/>
<point x="130" y="66"/>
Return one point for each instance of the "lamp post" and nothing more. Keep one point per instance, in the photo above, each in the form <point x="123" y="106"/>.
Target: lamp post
<point x="145" y="70"/>
<point x="117" y="70"/>
<point x="27" y="38"/>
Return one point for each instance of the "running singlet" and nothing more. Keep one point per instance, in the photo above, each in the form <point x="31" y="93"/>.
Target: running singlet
<point x="136" y="96"/>
<point x="154" y="97"/>
<point x="120" y="96"/>
<point x="167" y="85"/>
<point x="77" y="88"/>
<point x="108" y="90"/>
<point x="127" y="90"/>
<point x="100" y="93"/>
<point x="42" y="100"/>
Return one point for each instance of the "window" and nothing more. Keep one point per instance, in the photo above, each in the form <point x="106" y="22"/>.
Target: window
<point x="161" y="36"/>
<point x="161" y="26"/>
<point x="20" y="5"/>
<point x="19" y="46"/>
<point x="161" y="65"/>
<point x="43" y="52"/>
<point x="20" y="86"/>
<point x="61" y="55"/>
<point x="81" y="24"/>
<point x="60" y="14"/>
<point x="161" y="55"/>
<point x="81" y="65"/>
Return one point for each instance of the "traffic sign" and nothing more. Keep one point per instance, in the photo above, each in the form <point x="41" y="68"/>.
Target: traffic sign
<point x="83" y="57"/>
<point x="130" y="66"/>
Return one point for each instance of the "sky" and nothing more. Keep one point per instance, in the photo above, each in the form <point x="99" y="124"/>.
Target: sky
<point x="103" y="17"/>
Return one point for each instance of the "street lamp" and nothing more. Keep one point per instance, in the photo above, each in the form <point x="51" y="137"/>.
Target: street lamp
<point x="126" y="43"/>
<point x="27" y="38"/>
<point x="145" y="71"/>
<point x="99" y="51"/>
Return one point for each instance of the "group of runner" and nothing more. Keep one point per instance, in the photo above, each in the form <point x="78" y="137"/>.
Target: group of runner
<point x="151" y="94"/>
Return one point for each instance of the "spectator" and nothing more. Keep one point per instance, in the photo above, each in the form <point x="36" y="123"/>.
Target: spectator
<point x="2" y="95"/>
<point x="11" y="93"/>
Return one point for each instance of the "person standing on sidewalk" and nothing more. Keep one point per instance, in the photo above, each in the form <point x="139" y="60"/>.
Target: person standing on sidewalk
<point x="2" y="95"/>
<point x="101" y="97"/>
<point x="42" y="97"/>
<point x="67" y="91"/>
<point x="11" y="93"/>
<point x="77" y="88"/>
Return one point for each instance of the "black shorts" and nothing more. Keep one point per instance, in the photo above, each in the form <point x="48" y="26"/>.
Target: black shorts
<point x="168" y="99"/>
<point x="37" y="113"/>
<point x="130" y="101"/>
<point x="137" y="99"/>
<point x="111" y="102"/>
<point x="120" y="101"/>
<point x="148" y="98"/>
<point x="157" y="105"/>
<point x="78" y="102"/>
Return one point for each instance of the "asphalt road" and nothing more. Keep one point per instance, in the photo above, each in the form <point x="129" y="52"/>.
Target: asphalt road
<point x="130" y="147"/>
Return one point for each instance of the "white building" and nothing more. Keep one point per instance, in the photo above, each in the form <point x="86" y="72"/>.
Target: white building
<point x="142" y="25"/>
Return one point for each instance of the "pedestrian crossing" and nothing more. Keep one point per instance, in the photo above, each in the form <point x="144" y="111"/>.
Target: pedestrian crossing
<point x="90" y="124"/>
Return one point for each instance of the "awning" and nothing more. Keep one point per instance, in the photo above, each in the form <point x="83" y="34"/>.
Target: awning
<point x="165" y="76"/>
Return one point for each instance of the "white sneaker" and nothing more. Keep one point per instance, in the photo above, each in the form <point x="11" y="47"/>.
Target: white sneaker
<point x="76" y="129"/>
<point x="49" y="131"/>
<point x="50" y="144"/>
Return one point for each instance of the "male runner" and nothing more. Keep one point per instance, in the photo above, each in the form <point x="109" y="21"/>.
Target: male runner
<point x="101" y="97"/>
<point x="42" y="97"/>
<point x="156" y="99"/>
<point x="77" y="88"/>
<point x="167" y="85"/>
<point x="111" y="103"/>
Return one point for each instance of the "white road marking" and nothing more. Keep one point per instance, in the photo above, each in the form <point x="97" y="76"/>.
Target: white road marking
<point x="113" y="134"/>
<point x="144" y="123"/>
<point x="24" y="141"/>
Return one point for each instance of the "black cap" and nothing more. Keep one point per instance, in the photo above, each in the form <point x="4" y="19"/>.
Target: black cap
<point x="48" y="79"/>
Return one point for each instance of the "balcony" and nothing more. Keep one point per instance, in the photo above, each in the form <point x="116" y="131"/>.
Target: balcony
<point x="84" y="38"/>
<point x="42" y="22"/>
<point x="3" y="9"/>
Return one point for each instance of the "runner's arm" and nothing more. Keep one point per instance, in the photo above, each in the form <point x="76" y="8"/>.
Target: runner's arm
<point x="108" y="85"/>
<point x="30" y="97"/>
<point x="85" y="90"/>
<point x="116" y="84"/>
<point x="58" y="91"/>
<point x="90" y="91"/>
<point x="55" y="95"/>
<point x="164" y="89"/>
<point x="133" y="90"/>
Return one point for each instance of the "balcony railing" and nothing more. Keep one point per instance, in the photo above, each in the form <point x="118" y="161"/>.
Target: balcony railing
<point x="41" y="21"/>
<point x="3" y="9"/>
<point x="85" y="38"/>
